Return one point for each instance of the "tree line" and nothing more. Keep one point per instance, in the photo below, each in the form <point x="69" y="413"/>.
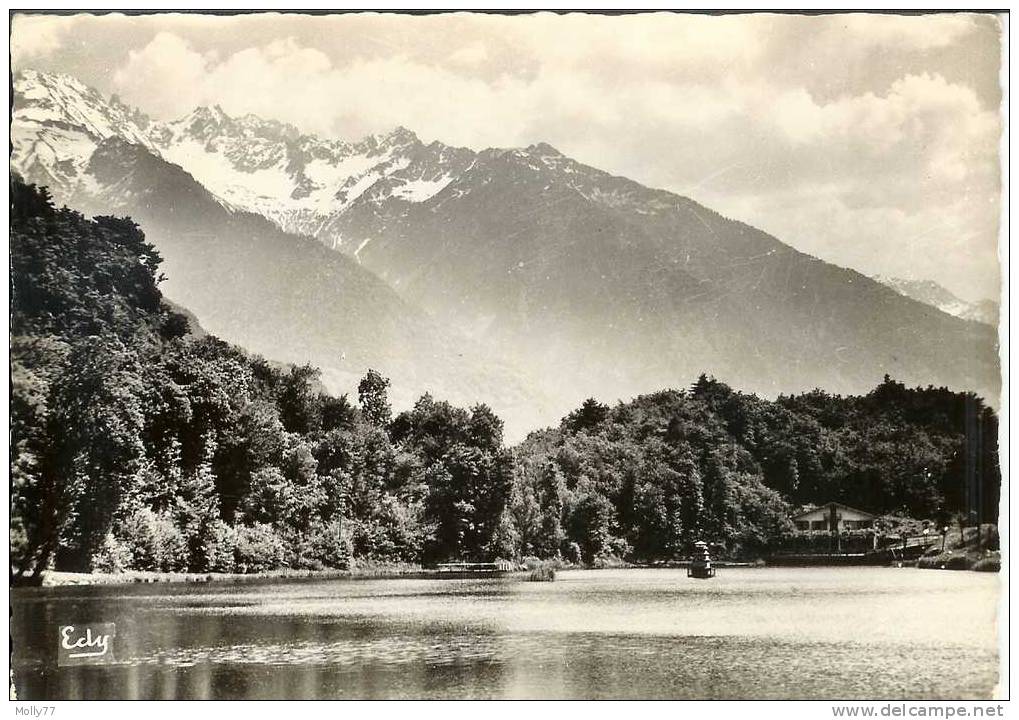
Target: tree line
<point x="137" y="444"/>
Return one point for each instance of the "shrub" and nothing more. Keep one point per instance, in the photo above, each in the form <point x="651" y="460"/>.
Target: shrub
<point x="113" y="556"/>
<point x="991" y="563"/>
<point x="545" y="573"/>
<point x="957" y="562"/>
<point x="949" y="560"/>
<point x="154" y="542"/>
<point x="620" y="548"/>
<point x="572" y="553"/>
<point x="259" y="548"/>
<point x="19" y="542"/>
<point x="333" y="545"/>
<point x="989" y="539"/>
<point x="393" y="533"/>
<point x="605" y="561"/>
<point x="505" y="540"/>
<point x="898" y="525"/>
<point x="220" y="542"/>
<point x="323" y="545"/>
<point x="531" y="562"/>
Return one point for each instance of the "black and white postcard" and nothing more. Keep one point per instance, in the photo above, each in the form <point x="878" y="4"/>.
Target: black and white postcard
<point x="508" y="355"/>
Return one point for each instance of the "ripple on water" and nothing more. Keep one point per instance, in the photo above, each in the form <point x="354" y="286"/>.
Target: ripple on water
<point x="773" y="633"/>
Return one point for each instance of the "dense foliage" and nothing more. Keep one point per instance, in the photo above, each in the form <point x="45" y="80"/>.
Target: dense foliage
<point x="647" y="477"/>
<point x="137" y="444"/>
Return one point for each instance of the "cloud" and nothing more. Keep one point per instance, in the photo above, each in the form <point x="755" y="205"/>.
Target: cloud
<point x="935" y="30"/>
<point x="35" y="36"/>
<point x="469" y="55"/>
<point x="846" y="136"/>
<point x="294" y="83"/>
<point x="163" y="74"/>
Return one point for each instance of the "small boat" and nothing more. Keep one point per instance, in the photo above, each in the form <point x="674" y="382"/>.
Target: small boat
<point x="700" y="564"/>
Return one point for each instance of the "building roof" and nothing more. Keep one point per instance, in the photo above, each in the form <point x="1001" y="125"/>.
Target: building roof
<point x="825" y="506"/>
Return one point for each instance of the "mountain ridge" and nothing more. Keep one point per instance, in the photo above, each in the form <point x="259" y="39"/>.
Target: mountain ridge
<point x="589" y="281"/>
<point x="286" y="297"/>
<point x="936" y="295"/>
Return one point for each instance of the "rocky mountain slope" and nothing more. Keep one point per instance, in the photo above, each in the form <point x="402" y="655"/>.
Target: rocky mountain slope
<point x="936" y="295"/>
<point x="284" y="296"/>
<point x="591" y="283"/>
<point x="632" y="288"/>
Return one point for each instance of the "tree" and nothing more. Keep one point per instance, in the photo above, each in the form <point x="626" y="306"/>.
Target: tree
<point x="552" y="495"/>
<point x="96" y="444"/>
<point x="196" y="512"/>
<point x="484" y="429"/>
<point x="589" y="416"/>
<point x="135" y="443"/>
<point x="372" y="393"/>
<point x="300" y="403"/>
<point x="337" y="412"/>
<point x="591" y="525"/>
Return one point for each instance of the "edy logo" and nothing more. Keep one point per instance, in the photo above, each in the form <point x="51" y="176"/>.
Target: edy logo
<point x="86" y="643"/>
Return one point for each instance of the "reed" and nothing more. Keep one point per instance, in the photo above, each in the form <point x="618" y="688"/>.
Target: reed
<point x="545" y="573"/>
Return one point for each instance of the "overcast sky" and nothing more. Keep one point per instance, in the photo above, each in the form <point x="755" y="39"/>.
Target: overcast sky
<point x="870" y="141"/>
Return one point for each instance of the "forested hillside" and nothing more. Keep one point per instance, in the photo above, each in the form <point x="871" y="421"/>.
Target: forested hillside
<point x="469" y="273"/>
<point x="647" y="478"/>
<point x="137" y="443"/>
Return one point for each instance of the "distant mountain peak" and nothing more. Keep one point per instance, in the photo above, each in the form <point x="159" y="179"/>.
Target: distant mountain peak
<point x="936" y="295"/>
<point x="401" y="135"/>
<point x="544" y="149"/>
<point x="214" y="113"/>
<point x="57" y="122"/>
<point x="203" y="118"/>
<point x="617" y="286"/>
<point x="29" y="75"/>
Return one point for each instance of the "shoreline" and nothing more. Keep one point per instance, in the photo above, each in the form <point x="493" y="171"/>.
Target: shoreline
<point x="54" y="578"/>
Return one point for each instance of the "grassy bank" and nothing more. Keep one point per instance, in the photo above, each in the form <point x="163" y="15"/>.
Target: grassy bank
<point x="979" y="560"/>
<point x="55" y="578"/>
<point x="971" y="550"/>
<point x="961" y="553"/>
<point x="131" y="577"/>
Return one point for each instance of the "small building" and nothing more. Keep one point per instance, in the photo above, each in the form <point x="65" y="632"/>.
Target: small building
<point x="845" y="518"/>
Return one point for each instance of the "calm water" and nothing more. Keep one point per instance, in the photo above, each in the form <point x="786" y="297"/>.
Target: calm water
<point x="749" y="633"/>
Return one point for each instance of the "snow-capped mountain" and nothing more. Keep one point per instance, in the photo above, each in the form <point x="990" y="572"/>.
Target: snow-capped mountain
<point x="303" y="183"/>
<point x="286" y="297"/>
<point x="627" y="288"/>
<point x="300" y="182"/>
<point x="935" y="295"/>
<point x="57" y="124"/>
<point x="594" y="284"/>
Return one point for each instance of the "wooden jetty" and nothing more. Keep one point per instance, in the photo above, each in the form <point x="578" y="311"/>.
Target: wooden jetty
<point x="909" y="551"/>
<point x="474" y="569"/>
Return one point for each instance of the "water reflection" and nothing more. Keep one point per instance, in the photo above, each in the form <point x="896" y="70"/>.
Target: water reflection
<point x="777" y="633"/>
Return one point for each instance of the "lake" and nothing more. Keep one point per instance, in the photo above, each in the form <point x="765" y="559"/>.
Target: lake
<point x="748" y="633"/>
